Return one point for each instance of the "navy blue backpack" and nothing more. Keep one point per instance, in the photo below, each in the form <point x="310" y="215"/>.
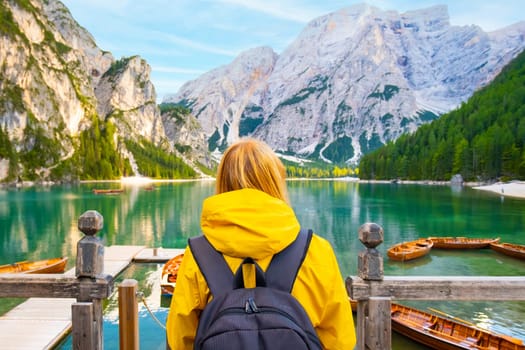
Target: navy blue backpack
<point x="264" y="317"/>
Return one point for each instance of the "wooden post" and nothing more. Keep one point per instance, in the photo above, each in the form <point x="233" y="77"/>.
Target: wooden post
<point x="373" y="315"/>
<point x="89" y="265"/>
<point x="379" y="326"/>
<point x="82" y="321"/>
<point x="128" y="313"/>
<point x="360" y="324"/>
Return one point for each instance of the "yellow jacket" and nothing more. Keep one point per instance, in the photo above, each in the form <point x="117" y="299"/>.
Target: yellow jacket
<point x="251" y="223"/>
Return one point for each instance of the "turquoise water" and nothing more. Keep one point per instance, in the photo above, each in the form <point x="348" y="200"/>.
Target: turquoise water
<point x="37" y="223"/>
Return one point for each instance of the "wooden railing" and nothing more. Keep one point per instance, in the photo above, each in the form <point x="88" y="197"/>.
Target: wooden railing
<point x="89" y="286"/>
<point x="374" y="292"/>
<point x="371" y="289"/>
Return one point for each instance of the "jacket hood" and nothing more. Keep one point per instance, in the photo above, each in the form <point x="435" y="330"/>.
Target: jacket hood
<point x="248" y="223"/>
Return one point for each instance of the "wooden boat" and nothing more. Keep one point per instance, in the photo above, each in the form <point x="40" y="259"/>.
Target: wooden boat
<point x="54" y="265"/>
<point x="444" y="333"/>
<point x="462" y="242"/>
<point x="169" y="274"/>
<point x="515" y="250"/>
<point x="108" y="191"/>
<point x="409" y="250"/>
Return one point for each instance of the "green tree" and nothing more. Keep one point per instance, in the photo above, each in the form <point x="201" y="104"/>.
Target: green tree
<point x="484" y="138"/>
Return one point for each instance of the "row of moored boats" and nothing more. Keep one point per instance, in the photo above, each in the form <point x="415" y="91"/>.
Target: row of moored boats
<point x="436" y="331"/>
<point x="420" y="247"/>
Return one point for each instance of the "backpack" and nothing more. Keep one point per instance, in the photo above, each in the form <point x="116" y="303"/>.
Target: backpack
<point x="264" y="317"/>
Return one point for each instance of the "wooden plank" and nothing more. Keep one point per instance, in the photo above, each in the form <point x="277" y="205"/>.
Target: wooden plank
<point x="158" y="255"/>
<point x="35" y="307"/>
<point x="36" y="285"/>
<point x="121" y="252"/>
<point x="118" y="258"/>
<point x="470" y="288"/>
<point x="111" y="267"/>
<point x="114" y="267"/>
<point x="52" y="286"/>
<point x="24" y="328"/>
<point x="32" y="334"/>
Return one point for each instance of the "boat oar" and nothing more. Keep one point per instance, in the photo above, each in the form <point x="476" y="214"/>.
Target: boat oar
<point x="456" y="318"/>
<point x="508" y="337"/>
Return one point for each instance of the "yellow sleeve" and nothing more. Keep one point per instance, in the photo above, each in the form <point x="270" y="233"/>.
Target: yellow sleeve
<point x="335" y="326"/>
<point x="336" y="329"/>
<point x="186" y="305"/>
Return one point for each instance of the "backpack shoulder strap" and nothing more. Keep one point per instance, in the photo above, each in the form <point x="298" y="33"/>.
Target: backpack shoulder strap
<point x="212" y="265"/>
<point x="285" y="265"/>
<point x="281" y="272"/>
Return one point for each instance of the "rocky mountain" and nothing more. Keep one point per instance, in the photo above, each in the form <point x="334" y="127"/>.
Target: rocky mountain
<point x="56" y="83"/>
<point x="350" y="82"/>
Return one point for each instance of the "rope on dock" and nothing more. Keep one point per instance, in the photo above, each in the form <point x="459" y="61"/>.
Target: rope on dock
<point x="141" y="297"/>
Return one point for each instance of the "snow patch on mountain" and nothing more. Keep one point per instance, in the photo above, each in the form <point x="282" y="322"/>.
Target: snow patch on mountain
<point x="351" y="81"/>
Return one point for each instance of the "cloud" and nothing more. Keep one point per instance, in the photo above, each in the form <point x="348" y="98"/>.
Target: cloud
<point x="178" y="70"/>
<point x="488" y="15"/>
<point x="166" y="86"/>
<point x="189" y="43"/>
<point x="289" y="11"/>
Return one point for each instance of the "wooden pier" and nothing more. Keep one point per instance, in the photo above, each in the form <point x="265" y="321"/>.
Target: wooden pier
<point x="41" y="323"/>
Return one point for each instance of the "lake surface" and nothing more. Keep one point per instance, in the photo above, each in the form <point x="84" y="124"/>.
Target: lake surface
<point x="37" y="223"/>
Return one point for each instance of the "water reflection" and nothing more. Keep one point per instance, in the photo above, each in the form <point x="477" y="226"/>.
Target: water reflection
<point x="456" y="189"/>
<point x="41" y="222"/>
<point x="410" y="267"/>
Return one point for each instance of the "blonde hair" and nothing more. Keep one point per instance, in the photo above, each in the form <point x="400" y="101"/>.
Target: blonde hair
<point x="251" y="163"/>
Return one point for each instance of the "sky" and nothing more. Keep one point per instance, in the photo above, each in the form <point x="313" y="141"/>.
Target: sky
<point x="183" y="39"/>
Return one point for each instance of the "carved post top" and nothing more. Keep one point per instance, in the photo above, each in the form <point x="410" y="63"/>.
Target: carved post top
<point x="370" y="261"/>
<point x="90" y="249"/>
<point x="90" y="222"/>
<point x="371" y="234"/>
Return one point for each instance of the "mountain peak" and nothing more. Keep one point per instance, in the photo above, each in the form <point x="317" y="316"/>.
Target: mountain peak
<point x="351" y="81"/>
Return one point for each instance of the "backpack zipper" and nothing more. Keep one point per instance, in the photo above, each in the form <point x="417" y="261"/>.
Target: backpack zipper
<point x="250" y="306"/>
<point x="266" y="310"/>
